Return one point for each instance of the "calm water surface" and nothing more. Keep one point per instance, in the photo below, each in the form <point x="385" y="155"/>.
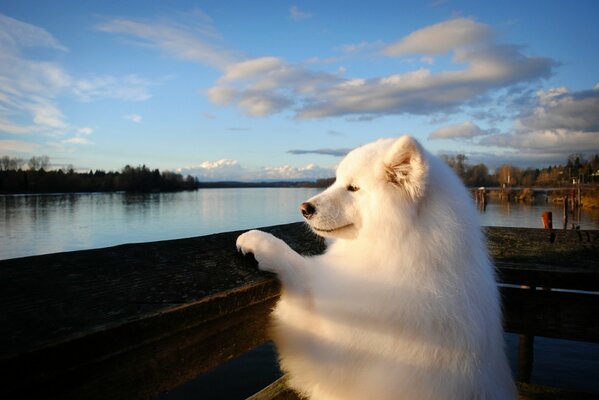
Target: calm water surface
<point x="40" y="224"/>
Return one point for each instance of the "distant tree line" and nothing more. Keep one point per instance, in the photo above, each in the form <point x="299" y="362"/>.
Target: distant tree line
<point x="32" y="176"/>
<point x="577" y="167"/>
<point x="319" y="183"/>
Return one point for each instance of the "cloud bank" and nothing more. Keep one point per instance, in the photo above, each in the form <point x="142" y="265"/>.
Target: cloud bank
<point x="267" y="85"/>
<point x="441" y="38"/>
<point x="466" y="130"/>
<point x="193" y="38"/>
<point x="231" y="170"/>
<point x="328" y="152"/>
<point x="562" y="122"/>
<point x="559" y="123"/>
<point x="31" y="86"/>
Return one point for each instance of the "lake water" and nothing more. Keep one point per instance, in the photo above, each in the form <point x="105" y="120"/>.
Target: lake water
<point x="40" y="224"/>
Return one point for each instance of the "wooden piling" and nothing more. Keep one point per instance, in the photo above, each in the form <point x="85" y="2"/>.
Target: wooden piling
<point x="480" y="196"/>
<point x="566" y="211"/>
<point x="547" y="218"/>
<point x="525" y="357"/>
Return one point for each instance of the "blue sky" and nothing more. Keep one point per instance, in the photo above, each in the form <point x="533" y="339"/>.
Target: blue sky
<point x="279" y="90"/>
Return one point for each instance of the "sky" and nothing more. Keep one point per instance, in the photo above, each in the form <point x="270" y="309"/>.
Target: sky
<point x="282" y="90"/>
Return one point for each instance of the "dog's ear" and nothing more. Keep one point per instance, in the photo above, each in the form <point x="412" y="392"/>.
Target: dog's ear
<point x="406" y="167"/>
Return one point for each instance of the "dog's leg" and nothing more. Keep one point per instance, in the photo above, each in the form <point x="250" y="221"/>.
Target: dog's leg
<point x="276" y="256"/>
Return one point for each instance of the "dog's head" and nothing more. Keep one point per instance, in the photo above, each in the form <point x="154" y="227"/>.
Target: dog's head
<point x="381" y="178"/>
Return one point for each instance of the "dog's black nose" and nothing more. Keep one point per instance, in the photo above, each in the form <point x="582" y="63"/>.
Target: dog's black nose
<point x="308" y="210"/>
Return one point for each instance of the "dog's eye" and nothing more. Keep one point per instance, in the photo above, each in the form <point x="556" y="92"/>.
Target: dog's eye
<point x="352" y="188"/>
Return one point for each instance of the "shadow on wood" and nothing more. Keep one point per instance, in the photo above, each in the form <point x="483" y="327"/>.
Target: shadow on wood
<point x="132" y="321"/>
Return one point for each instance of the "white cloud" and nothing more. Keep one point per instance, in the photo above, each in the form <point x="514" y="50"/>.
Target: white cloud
<point x="76" y="140"/>
<point x="191" y="39"/>
<point x="465" y="130"/>
<point x="521" y="158"/>
<point x="215" y="165"/>
<point x="31" y="87"/>
<point x="560" y="141"/>
<point x="231" y="170"/>
<point x="424" y="92"/>
<point x="17" y="146"/>
<point x="85" y="131"/>
<point x="127" y="88"/>
<point x="297" y="14"/>
<point x="558" y="108"/>
<point x="267" y="85"/>
<point x="329" y="152"/>
<point x="28" y="86"/>
<point x="354" y="48"/>
<point x="561" y="123"/>
<point x="26" y="35"/>
<point x="216" y="170"/>
<point x="441" y="38"/>
<point x="251" y="69"/>
<point x="287" y="172"/>
<point x="134" y="118"/>
<point x="16" y="129"/>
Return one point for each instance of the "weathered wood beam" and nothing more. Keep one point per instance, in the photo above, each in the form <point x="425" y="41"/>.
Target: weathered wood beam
<point x="555" y="314"/>
<point x="132" y="321"/>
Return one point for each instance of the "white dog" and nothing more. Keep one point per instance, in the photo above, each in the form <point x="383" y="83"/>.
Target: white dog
<point x="403" y="304"/>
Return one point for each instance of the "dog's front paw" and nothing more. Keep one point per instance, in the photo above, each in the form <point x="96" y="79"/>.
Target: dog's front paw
<point x="249" y="241"/>
<point x="264" y="246"/>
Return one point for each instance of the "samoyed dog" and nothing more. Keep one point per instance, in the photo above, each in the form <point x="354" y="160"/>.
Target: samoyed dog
<point x="403" y="304"/>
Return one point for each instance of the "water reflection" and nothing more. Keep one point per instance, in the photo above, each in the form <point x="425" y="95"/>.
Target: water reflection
<point x="525" y="215"/>
<point x="38" y="224"/>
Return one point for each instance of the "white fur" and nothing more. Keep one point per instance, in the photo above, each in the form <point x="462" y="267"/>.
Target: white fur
<point x="403" y="304"/>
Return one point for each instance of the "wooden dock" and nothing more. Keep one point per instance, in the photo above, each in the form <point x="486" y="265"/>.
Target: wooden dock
<point x="134" y="321"/>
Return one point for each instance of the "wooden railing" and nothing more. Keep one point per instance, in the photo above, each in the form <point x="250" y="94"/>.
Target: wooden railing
<point x="133" y="321"/>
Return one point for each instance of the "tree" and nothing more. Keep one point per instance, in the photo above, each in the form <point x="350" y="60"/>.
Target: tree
<point x="37" y="163"/>
<point x="10" y="163"/>
<point x="508" y="175"/>
<point x="477" y="175"/>
<point x="457" y="163"/>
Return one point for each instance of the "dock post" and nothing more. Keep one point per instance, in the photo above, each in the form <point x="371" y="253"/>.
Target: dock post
<point x="547" y="218"/>
<point x="525" y="357"/>
<point x="526" y="342"/>
<point x="566" y="211"/>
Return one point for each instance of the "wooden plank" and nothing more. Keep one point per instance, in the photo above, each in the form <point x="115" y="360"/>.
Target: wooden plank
<point x="555" y="314"/>
<point x="548" y="276"/>
<point x="547" y="247"/>
<point x="79" y="370"/>
<point x="134" y="320"/>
